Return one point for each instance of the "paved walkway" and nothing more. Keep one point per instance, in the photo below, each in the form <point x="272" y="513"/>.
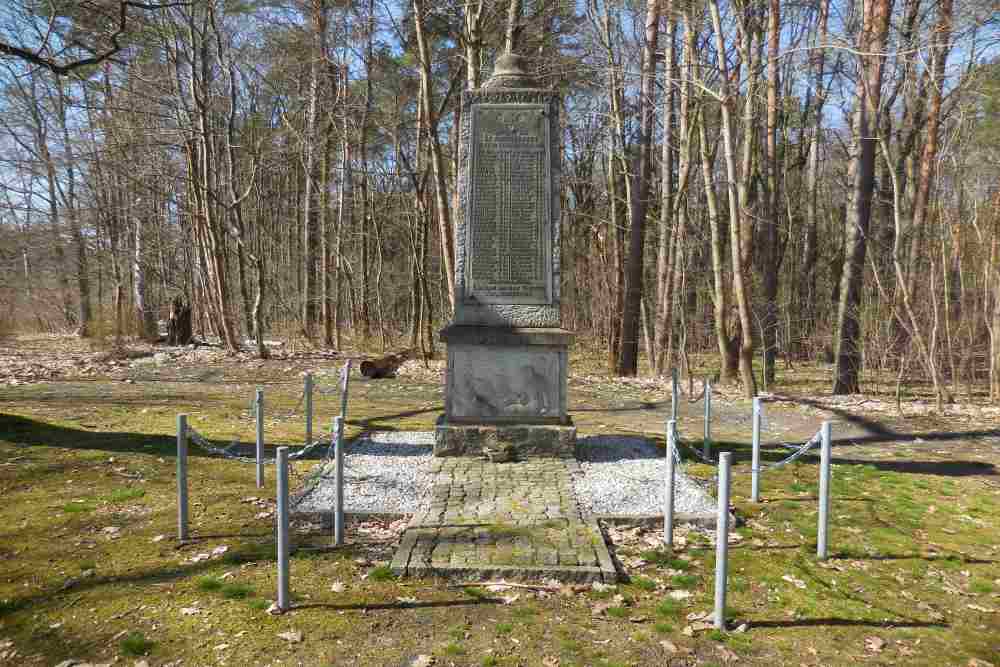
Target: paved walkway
<point x="489" y="520"/>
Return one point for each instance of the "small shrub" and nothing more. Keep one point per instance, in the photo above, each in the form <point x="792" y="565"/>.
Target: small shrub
<point x="454" y="649"/>
<point x="210" y="583"/>
<point x="474" y="592"/>
<point x="644" y="584"/>
<point x="669" y="607"/>
<point x="618" y="612"/>
<point x="136" y="645"/>
<point x="236" y="591"/>
<point x="8" y="606"/>
<point x="490" y="661"/>
<point x="381" y="573"/>
<point x="683" y="580"/>
<point x="981" y="587"/>
<point x="126" y="493"/>
<point x="259" y="604"/>
<point x="663" y="628"/>
<point x="87" y="565"/>
<point x="504" y="628"/>
<point x="77" y="508"/>
<point x="716" y="635"/>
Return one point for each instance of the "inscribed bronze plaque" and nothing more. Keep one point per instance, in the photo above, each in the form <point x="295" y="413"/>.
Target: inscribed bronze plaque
<point x="509" y="226"/>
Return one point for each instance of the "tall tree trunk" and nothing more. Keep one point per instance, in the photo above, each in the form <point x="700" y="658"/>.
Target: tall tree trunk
<point x="771" y="260"/>
<point x="310" y="198"/>
<point x="667" y="242"/>
<point x="861" y="178"/>
<point x="738" y="236"/>
<point x="72" y="211"/>
<point x="437" y="158"/>
<point x="628" y="358"/>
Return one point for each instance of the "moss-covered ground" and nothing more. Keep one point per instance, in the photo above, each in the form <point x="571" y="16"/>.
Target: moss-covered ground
<point x="91" y="570"/>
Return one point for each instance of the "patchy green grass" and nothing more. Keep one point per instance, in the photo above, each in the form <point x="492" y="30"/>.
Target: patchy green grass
<point x="236" y="591"/>
<point x="136" y="645"/>
<point x="125" y="494"/>
<point x="913" y="540"/>
<point x="643" y="583"/>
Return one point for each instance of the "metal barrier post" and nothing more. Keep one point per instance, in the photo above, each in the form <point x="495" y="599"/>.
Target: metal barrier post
<point x="722" y="541"/>
<point x="673" y="394"/>
<point x="308" y="395"/>
<point x="708" y="419"/>
<point x="668" y="498"/>
<point x="755" y="457"/>
<point x="345" y="381"/>
<point x="824" y="492"/>
<point x="338" y="515"/>
<point x="259" y="411"/>
<point x="283" y="546"/>
<point x="182" y="481"/>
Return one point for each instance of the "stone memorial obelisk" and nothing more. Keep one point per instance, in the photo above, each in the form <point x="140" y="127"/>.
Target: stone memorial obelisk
<point x="505" y="394"/>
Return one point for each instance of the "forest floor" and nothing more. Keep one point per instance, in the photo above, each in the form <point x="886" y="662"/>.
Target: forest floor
<point x="92" y="571"/>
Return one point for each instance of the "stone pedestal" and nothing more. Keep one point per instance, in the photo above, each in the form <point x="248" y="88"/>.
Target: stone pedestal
<point x="507" y="355"/>
<point x="506" y="393"/>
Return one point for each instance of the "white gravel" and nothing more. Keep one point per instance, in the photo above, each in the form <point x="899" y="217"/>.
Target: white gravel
<point x="388" y="472"/>
<point x="385" y="471"/>
<point x="625" y="476"/>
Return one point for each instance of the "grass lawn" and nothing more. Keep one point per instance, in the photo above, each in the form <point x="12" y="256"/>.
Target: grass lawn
<point x="91" y="569"/>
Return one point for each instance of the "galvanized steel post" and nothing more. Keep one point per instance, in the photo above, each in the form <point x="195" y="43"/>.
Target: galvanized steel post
<point x="668" y="498"/>
<point x="338" y="514"/>
<point x="755" y="456"/>
<point x="259" y="414"/>
<point x="708" y="419"/>
<point x="308" y="399"/>
<point x="824" y="491"/>
<point x="722" y="541"/>
<point x="182" y="478"/>
<point x="283" y="546"/>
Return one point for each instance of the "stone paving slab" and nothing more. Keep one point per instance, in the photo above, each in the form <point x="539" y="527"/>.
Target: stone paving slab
<point x="513" y="520"/>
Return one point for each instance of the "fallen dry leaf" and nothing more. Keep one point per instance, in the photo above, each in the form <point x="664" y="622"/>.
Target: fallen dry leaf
<point x="874" y="644"/>
<point x="338" y="587"/>
<point x="292" y="636"/>
<point x="421" y="660"/>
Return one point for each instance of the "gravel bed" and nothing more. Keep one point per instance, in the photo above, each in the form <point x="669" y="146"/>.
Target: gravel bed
<point x="384" y="471"/>
<point x="624" y="475"/>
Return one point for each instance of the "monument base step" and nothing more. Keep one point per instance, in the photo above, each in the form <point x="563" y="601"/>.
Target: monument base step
<point x="505" y="442"/>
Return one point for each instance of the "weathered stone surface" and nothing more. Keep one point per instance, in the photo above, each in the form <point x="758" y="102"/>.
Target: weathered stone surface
<point x="499" y="383"/>
<point x="507" y="233"/>
<point x="515" y="442"/>
<point x="504" y="520"/>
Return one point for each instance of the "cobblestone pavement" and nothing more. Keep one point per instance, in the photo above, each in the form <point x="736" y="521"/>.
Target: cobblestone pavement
<point x="517" y="520"/>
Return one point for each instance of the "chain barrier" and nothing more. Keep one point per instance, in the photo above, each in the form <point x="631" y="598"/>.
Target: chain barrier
<point x="799" y="452"/>
<point x="228" y="452"/>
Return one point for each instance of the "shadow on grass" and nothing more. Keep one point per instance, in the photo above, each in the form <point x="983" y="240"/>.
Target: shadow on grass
<point x="847" y="623"/>
<point x="32" y="432"/>
<point x="742" y="453"/>
<point x="397" y="606"/>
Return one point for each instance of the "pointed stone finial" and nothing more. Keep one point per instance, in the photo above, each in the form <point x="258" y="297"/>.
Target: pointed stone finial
<point x="509" y="72"/>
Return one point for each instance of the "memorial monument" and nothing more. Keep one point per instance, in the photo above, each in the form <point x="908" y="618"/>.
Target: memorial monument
<point x="505" y="393"/>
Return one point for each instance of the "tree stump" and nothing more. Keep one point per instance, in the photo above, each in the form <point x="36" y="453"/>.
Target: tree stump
<point x="384" y="367"/>
<point x="179" y="323"/>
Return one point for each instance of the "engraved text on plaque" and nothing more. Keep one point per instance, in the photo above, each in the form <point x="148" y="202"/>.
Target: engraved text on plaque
<point x="509" y="226"/>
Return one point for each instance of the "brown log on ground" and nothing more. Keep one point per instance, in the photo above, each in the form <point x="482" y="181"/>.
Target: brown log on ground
<point x="179" y="324"/>
<point x="385" y="367"/>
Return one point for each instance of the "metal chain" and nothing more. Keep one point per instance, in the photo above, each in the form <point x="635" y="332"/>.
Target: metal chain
<point x="798" y="453"/>
<point x="201" y="441"/>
